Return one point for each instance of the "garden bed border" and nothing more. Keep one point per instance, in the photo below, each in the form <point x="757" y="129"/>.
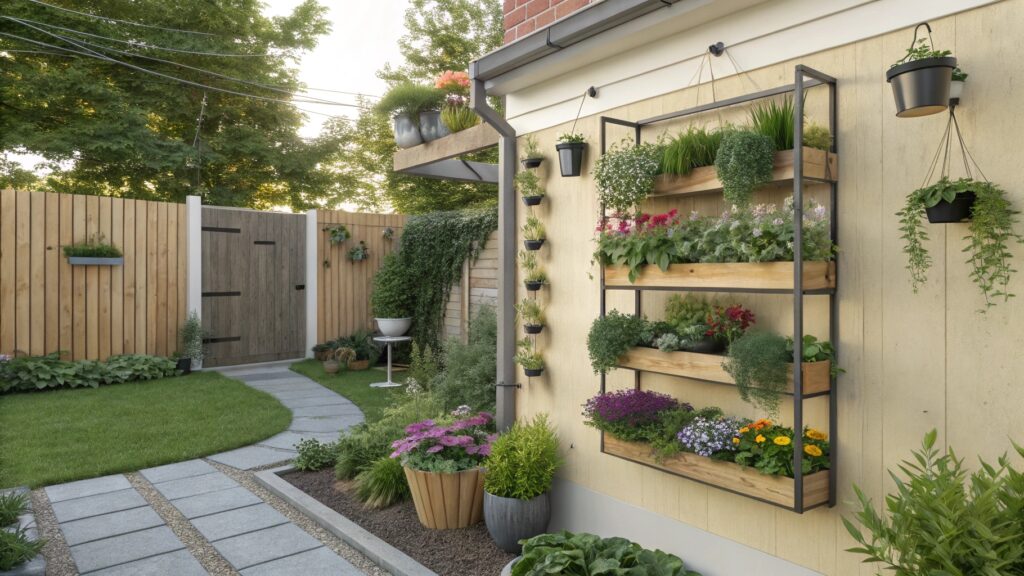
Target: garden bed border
<point x="37" y="565"/>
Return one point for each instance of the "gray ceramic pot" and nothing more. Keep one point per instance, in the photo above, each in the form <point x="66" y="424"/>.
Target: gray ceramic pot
<point x="431" y="126"/>
<point x="407" y="134"/>
<point x="921" y="87"/>
<point x="510" y="520"/>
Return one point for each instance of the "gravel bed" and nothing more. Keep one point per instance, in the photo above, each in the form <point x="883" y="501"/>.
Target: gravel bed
<point x="248" y="480"/>
<point x="464" y="552"/>
<point x="196" y="543"/>
<point x="56" y="552"/>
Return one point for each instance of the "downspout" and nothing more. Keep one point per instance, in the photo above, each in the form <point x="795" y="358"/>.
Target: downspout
<point x="506" y="377"/>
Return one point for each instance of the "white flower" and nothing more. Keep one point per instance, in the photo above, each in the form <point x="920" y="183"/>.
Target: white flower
<point x="756" y="232"/>
<point x="463" y="410"/>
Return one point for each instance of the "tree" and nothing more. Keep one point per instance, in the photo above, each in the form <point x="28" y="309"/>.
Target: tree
<point x="80" y="96"/>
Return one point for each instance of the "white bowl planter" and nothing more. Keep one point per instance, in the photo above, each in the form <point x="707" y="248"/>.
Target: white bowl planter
<point x="394" y="326"/>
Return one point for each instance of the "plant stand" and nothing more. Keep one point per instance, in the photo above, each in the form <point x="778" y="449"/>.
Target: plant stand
<point x="388" y="341"/>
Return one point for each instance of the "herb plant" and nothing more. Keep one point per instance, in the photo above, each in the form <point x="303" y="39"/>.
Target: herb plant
<point x="583" y="554"/>
<point x="314" y="455"/>
<point x="571" y="138"/>
<point x="530" y="148"/>
<point x="527" y="355"/>
<point x="612" y="336"/>
<point x="523" y="460"/>
<point x="94" y="248"/>
<point x="392" y="296"/>
<point x="691" y="149"/>
<point x="625" y="175"/>
<point x="530" y="312"/>
<point x="921" y="50"/>
<point x="532" y="270"/>
<point x="757" y="362"/>
<point x="534" y="229"/>
<point x="528" y="183"/>
<point x="744" y="162"/>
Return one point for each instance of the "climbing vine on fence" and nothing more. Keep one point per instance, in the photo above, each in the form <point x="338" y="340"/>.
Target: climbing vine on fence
<point x="432" y="250"/>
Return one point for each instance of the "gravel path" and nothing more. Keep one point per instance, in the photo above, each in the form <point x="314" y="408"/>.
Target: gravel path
<point x="56" y="552"/>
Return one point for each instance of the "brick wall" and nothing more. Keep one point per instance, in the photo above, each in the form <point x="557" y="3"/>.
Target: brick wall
<point x="524" y="16"/>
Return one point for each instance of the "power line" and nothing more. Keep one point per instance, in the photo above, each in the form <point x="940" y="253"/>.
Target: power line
<point x="112" y="20"/>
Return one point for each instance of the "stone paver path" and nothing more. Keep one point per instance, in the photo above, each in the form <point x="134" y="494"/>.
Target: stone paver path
<point x="111" y="529"/>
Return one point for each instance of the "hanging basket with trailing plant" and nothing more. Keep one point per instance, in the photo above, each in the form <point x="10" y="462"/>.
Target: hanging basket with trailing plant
<point x="359" y="252"/>
<point x="921" y="79"/>
<point x="337" y="234"/>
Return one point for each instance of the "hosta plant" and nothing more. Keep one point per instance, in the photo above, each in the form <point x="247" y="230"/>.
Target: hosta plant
<point x="571" y="554"/>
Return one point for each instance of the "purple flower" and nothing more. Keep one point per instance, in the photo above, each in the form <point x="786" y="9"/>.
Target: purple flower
<point x="435" y="449"/>
<point x="419" y="426"/>
<point x="631" y="407"/>
<point x="705" y="437"/>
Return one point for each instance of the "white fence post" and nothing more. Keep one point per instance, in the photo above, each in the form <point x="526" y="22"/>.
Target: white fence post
<point x="311" y="272"/>
<point x="194" y="294"/>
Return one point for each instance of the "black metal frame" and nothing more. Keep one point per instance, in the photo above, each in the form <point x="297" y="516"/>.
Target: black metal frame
<point x="805" y="78"/>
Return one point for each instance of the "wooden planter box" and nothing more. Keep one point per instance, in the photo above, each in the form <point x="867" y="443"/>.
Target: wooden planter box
<point x="445" y="501"/>
<point x="816" y="375"/>
<point x="90" y="261"/>
<point x="727" y="475"/>
<point x="817" y="275"/>
<point x="818" y="164"/>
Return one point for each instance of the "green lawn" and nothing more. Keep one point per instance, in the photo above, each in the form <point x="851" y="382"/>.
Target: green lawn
<point x="62" y="435"/>
<point x="354" y="385"/>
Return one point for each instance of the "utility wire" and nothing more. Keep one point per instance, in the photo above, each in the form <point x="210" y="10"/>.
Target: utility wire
<point x="112" y="20"/>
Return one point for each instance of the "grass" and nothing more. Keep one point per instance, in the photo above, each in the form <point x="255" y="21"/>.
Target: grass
<point x="63" y="435"/>
<point x="354" y="385"/>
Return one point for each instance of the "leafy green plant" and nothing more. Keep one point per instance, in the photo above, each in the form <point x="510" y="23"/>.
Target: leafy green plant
<point x="314" y="455"/>
<point x="41" y="372"/>
<point x="583" y="554"/>
<point x="529" y="311"/>
<point x="532" y="270"/>
<point x="93" y="248"/>
<point x="382" y="483"/>
<point x="775" y="120"/>
<point x="814" y="350"/>
<point x="359" y="446"/>
<point x="192" y="335"/>
<point x="817" y="136"/>
<point x="528" y="356"/>
<point x="361" y="342"/>
<point x="959" y="75"/>
<point x="523" y="460"/>
<point x="530" y="148"/>
<point x="359" y="252"/>
<point x="391" y="296"/>
<point x="991" y="230"/>
<point x="16" y="548"/>
<point x="424" y="365"/>
<point x="470" y="369"/>
<point x="12" y="505"/>
<point x="528" y="183"/>
<point x="691" y="149"/>
<point x="744" y="162"/>
<point x="625" y="175"/>
<point x="571" y="138"/>
<point x="683" y="311"/>
<point x="942" y="520"/>
<point x="757" y="362"/>
<point x="534" y="229"/>
<point x="612" y="336"/>
<point x="337" y="234"/>
<point x="919" y="51"/>
<point x="409" y="98"/>
<point x="458" y="117"/>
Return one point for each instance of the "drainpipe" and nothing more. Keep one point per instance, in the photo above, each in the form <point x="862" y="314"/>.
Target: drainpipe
<point x="506" y="250"/>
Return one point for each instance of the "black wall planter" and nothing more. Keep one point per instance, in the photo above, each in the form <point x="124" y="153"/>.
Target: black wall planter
<point x="533" y="286"/>
<point x="921" y="87"/>
<point x="533" y="328"/>
<point x="532" y="200"/>
<point x="570" y="157"/>
<point x="533" y="244"/>
<point x="949" y="212"/>
<point x="532" y="162"/>
<point x="531" y="372"/>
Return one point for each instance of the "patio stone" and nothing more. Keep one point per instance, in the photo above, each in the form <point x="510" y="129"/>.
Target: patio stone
<point x="293" y="394"/>
<point x="314" y="401"/>
<point x="325" y="411"/>
<point x="179" y="563"/>
<point x="170" y="472"/>
<point x="78" y="508"/>
<point x="324" y="424"/>
<point x="238" y="521"/>
<point x="184" y="487"/>
<point x="272" y="375"/>
<point x="107" y="525"/>
<point x="265" y="545"/>
<point x="214" y="502"/>
<point x="253" y="457"/>
<point x="90" y="487"/>
<point x="317" y="562"/>
<point x="124" y="548"/>
<point x="288" y="440"/>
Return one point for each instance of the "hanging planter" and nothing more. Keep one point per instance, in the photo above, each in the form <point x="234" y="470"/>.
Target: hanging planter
<point x="528" y="184"/>
<point x="533" y="328"/>
<point x="359" y="252"/>
<point x="533" y="245"/>
<point x="534" y="233"/>
<point x="534" y="285"/>
<point x="532" y="158"/>
<point x="950" y="211"/>
<point x="337" y="234"/>
<point x="921" y="79"/>
<point x="570" y="154"/>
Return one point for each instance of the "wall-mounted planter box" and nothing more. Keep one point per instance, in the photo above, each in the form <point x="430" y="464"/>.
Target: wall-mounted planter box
<point x="818" y="165"/>
<point x="778" y="490"/>
<point x="726" y="276"/>
<point x="88" y="261"/>
<point x="816" y="375"/>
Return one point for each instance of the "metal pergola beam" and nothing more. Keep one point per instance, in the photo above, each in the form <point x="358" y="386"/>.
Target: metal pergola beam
<point x="457" y="170"/>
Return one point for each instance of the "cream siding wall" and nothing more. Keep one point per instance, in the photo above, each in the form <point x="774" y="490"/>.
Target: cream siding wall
<point x="913" y="362"/>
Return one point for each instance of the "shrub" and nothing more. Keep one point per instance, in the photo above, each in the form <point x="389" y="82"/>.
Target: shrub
<point x="691" y="149"/>
<point x="523" y="460"/>
<point x="192" y="337"/>
<point x="49" y="371"/>
<point x="314" y="455"/>
<point x="358" y="447"/>
<point x="382" y="483"/>
<point x="423" y="366"/>
<point x="361" y="342"/>
<point x="12" y="505"/>
<point x="612" y="336"/>
<point x="625" y="175"/>
<point x="16" y="548"/>
<point x="744" y="162"/>
<point x="817" y="136"/>
<point x="471" y="369"/>
<point x="411" y="99"/>
<point x="391" y="296"/>
<point x="580" y="555"/>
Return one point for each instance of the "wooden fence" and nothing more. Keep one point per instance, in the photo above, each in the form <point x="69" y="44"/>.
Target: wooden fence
<point x="47" y="305"/>
<point x="477" y="287"/>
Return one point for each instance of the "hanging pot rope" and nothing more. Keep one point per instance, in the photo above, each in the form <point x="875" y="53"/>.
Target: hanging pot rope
<point x="913" y="42"/>
<point x="945" y="150"/>
<point x="583" y="99"/>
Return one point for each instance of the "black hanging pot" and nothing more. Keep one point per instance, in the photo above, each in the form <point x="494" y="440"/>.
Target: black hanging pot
<point x="532" y="372"/>
<point x="532" y="162"/>
<point x="570" y="157"/>
<point x="949" y="212"/>
<point x="184" y="365"/>
<point x="533" y="286"/>
<point x="533" y="244"/>
<point x="921" y="87"/>
<point x="533" y="328"/>
<point x="532" y="200"/>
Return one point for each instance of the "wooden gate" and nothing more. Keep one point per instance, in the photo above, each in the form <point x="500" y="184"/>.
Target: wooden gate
<point x="254" y="275"/>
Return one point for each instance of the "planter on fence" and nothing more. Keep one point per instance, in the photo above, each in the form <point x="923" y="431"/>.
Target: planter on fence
<point x="533" y="286"/>
<point x="510" y="520"/>
<point x="817" y="275"/>
<point x="407" y="134"/>
<point x="445" y="501"/>
<point x="89" y="261"/>
<point x="570" y="157"/>
<point x="921" y="87"/>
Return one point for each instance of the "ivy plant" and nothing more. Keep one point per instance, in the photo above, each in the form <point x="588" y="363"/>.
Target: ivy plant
<point x="990" y="233"/>
<point x="744" y="162"/>
<point x="757" y="362"/>
<point x="625" y="175"/>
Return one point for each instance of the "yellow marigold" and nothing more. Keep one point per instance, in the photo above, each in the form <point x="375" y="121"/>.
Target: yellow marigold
<point x="759" y="439"/>
<point x="782" y="441"/>
<point x="762" y="423"/>
<point x="735" y="440"/>
<point x="744" y="430"/>
<point x="816" y="434"/>
<point x="812" y="450"/>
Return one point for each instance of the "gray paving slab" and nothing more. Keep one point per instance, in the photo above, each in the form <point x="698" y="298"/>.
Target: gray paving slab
<point x="324" y="424"/>
<point x="331" y="410"/>
<point x="104" y="526"/>
<point x="238" y="521"/>
<point x="214" y="502"/>
<point x="78" y="508"/>
<point x="90" y="487"/>
<point x="288" y="440"/>
<point x="170" y="472"/>
<point x="296" y="389"/>
<point x="179" y="563"/>
<point x="317" y="562"/>
<point x="313" y="401"/>
<point x="265" y="545"/>
<point x="302" y="394"/>
<point x="124" y="548"/>
<point x="253" y="457"/>
<point x="184" y="487"/>
<point x="271" y="375"/>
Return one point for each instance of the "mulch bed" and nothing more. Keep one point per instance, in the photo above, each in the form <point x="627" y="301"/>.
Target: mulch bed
<point x="463" y="552"/>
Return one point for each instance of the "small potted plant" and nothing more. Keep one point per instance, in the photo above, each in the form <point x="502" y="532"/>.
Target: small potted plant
<point x="531" y="313"/>
<point x="406" y="103"/>
<point x="533" y="233"/>
<point x="337" y="234"/>
<point x="534" y="276"/>
<point x="921" y="79"/>
<point x="320" y="351"/>
<point x="956" y="86"/>
<point x="532" y="156"/>
<point x="359" y="252"/>
<point x="392" y="298"/>
<point x="337" y="359"/>
<point x="94" y="252"/>
<point x="520" y="471"/>
<point x="529" y="358"/>
<point x="365" y="351"/>
<point x="570" y="149"/>
<point x="192" y="335"/>
<point x="528" y="185"/>
<point x="456" y="115"/>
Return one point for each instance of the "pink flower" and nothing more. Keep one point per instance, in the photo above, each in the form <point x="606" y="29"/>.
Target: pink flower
<point x="435" y="449"/>
<point x="452" y="81"/>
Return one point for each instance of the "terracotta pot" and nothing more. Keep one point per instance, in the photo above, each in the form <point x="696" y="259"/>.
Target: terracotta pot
<point x="332" y="366"/>
<point x="358" y="365"/>
<point x="446" y="501"/>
